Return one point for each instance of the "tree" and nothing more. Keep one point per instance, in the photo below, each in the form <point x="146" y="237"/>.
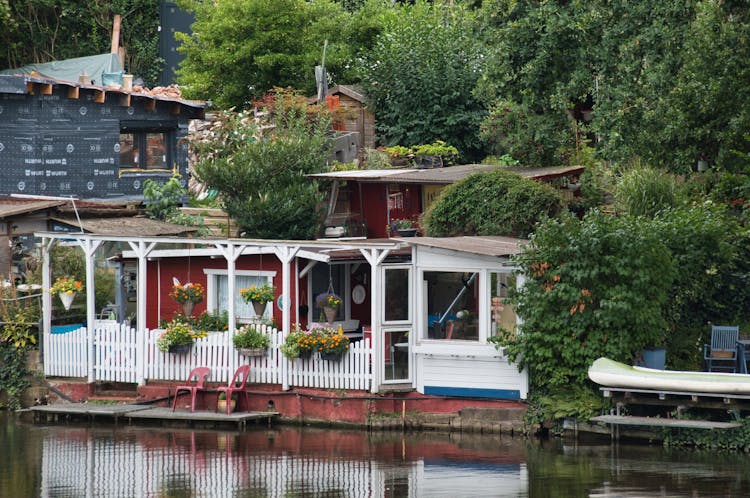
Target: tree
<point x="261" y="174"/>
<point x="420" y="75"/>
<point x="240" y="50"/>
<point x="496" y="203"/>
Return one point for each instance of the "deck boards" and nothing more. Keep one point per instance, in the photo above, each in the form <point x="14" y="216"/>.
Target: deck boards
<point x="133" y="412"/>
<point x="664" y="422"/>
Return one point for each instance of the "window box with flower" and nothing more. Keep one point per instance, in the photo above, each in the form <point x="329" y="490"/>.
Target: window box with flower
<point x="258" y="296"/>
<point x="403" y="227"/>
<point x="178" y="337"/>
<point x="66" y="288"/>
<point x="250" y="341"/>
<point x="188" y="295"/>
<point x="329" y="303"/>
<point x="332" y="344"/>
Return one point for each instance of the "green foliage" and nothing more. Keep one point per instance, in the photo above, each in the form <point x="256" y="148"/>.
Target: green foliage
<point x="736" y="439"/>
<point x="533" y="139"/>
<point x="579" y="402"/>
<point x="163" y="199"/>
<point x="249" y="336"/>
<point x="261" y="176"/>
<point x="13" y="373"/>
<point x="644" y="191"/>
<point x="496" y="203"/>
<point x="420" y="74"/>
<point x="43" y="31"/>
<point x="213" y="321"/>
<point x="594" y="288"/>
<point x="240" y="50"/>
<point x="68" y="260"/>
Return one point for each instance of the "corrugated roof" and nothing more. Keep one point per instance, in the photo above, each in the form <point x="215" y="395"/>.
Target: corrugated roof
<point x="441" y="176"/>
<point x="13" y="207"/>
<point x="483" y="245"/>
<point x="128" y="226"/>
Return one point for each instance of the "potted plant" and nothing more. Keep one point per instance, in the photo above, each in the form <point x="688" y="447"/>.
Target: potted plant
<point x="259" y="296"/>
<point x="187" y="295"/>
<point x="178" y="337"/>
<point x="66" y="288"/>
<point x="300" y="343"/>
<point x="250" y="341"/>
<point x="221" y="405"/>
<point x="403" y="227"/>
<point x="332" y="344"/>
<point x="399" y="155"/>
<point x="434" y="155"/>
<point x="329" y="302"/>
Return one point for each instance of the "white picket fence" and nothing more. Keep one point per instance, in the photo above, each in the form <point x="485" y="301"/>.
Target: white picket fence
<point x="119" y="354"/>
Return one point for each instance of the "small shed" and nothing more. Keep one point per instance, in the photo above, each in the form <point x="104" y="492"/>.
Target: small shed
<point x="356" y="117"/>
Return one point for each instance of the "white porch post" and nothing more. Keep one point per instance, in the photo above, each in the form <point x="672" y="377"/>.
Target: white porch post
<point x="375" y="257"/>
<point x="46" y="296"/>
<point x="89" y="248"/>
<point x="286" y="254"/>
<point x="230" y="252"/>
<point x="141" y="250"/>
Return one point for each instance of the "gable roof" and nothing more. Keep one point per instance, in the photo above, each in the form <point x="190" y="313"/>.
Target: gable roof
<point x="128" y="226"/>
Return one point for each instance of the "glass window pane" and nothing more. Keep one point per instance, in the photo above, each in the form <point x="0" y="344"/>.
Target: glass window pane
<point x="396" y="354"/>
<point x="502" y="315"/>
<point x="156" y="153"/>
<point x="452" y="305"/>
<point x="128" y="151"/>
<point x="320" y="285"/>
<point x="244" y="311"/>
<point x="396" y="294"/>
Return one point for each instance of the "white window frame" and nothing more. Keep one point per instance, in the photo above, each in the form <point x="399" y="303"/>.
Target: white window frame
<point x="212" y="290"/>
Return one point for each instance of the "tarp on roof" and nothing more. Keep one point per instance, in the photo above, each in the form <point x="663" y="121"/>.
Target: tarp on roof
<point x="96" y="67"/>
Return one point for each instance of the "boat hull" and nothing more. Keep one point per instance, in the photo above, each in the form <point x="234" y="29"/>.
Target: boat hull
<point x="611" y="373"/>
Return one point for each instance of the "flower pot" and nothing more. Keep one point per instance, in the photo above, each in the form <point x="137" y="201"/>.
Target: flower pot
<point x="180" y="348"/>
<point x="67" y="299"/>
<point x="259" y="308"/>
<point x="221" y="406"/>
<point x="654" y="358"/>
<point x="330" y="314"/>
<point x="187" y="308"/>
<point x="331" y="356"/>
<point x="407" y="232"/>
<point x="305" y="354"/>
<point x="252" y="351"/>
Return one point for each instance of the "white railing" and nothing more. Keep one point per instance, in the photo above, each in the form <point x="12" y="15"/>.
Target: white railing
<point x="118" y="357"/>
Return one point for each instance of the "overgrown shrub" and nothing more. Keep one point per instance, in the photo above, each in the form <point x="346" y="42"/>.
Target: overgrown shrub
<point x="495" y="203"/>
<point x="644" y="191"/>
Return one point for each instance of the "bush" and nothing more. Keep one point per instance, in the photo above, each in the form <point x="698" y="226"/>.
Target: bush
<point x="645" y="191"/>
<point x="495" y="203"/>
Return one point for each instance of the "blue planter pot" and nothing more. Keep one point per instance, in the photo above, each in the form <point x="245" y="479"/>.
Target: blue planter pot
<point x="654" y="358"/>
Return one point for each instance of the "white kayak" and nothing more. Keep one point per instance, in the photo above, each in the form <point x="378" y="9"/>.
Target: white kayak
<point x="611" y="373"/>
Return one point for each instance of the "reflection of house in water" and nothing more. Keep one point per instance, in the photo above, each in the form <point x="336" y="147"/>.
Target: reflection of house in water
<point x="290" y="462"/>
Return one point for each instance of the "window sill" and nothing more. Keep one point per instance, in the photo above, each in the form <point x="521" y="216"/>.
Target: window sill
<point x="458" y="349"/>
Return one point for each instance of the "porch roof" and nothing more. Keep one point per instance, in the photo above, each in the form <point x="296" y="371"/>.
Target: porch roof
<point x="442" y="176"/>
<point x="125" y="225"/>
<point x="483" y="245"/>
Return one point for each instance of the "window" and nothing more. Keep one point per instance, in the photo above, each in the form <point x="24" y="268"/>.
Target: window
<point x="502" y="315"/>
<point x="396" y="294"/>
<point x="146" y="146"/>
<point x="217" y="298"/>
<point x="319" y="280"/>
<point x="452" y="305"/>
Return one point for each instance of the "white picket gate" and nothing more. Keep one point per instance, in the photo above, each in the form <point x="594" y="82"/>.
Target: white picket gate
<point x="117" y="349"/>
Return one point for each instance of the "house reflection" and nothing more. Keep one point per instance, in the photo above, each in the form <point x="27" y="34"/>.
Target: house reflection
<point x="285" y="462"/>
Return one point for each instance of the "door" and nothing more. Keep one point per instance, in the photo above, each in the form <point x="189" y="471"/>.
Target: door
<point x="396" y="320"/>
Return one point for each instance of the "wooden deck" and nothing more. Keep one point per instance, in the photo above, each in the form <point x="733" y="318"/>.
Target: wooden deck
<point x="135" y="413"/>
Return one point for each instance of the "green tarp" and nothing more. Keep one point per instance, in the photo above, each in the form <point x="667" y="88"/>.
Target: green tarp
<point x="103" y="69"/>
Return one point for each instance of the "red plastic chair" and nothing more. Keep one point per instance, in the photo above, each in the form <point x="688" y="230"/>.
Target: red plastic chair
<point x="238" y="383"/>
<point x="199" y="374"/>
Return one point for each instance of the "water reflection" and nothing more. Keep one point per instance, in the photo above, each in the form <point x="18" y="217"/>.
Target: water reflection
<point x="104" y="461"/>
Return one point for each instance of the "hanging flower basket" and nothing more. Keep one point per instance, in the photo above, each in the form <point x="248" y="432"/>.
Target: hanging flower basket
<point x="259" y="308"/>
<point x="330" y="314"/>
<point x="67" y="299"/>
<point x="187" y="308"/>
<point x="250" y="352"/>
<point x="180" y="348"/>
<point x="331" y="356"/>
<point x="305" y="354"/>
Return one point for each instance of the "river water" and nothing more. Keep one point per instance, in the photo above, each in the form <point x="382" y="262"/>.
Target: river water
<point x="81" y="460"/>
